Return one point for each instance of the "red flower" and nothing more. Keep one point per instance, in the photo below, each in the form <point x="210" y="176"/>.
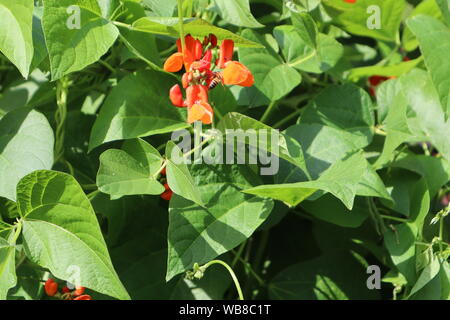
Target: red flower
<point x="350" y="1"/>
<point x="83" y="297"/>
<point x="199" y="77"/>
<point x="226" y="53"/>
<point x="236" y="73"/>
<point x="51" y="287"/>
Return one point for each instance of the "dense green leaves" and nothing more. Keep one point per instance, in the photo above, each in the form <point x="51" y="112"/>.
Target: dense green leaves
<point x="26" y="144"/>
<point x="16" y="33"/>
<point x="346" y="126"/>
<point x="76" y="34"/>
<point x="61" y="232"/>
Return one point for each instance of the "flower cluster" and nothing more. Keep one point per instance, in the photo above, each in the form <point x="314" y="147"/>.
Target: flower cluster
<point x="51" y="289"/>
<point x="199" y="76"/>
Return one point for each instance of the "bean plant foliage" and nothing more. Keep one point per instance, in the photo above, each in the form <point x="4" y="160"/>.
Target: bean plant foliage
<point x="344" y="104"/>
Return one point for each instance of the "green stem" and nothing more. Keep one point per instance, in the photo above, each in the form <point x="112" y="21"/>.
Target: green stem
<point x="441" y="234"/>
<point x="18" y="228"/>
<point x="268" y="111"/>
<point x="232" y="274"/>
<point x="238" y="254"/>
<point x="394" y="218"/>
<point x="180" y="17"/>
<point x="288" y="118"/>
<point x="249" y="268"/>
<point x="60" y="117"/>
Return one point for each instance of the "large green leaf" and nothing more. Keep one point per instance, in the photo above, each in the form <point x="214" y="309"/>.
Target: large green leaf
<point x="199" y="234"/>
<point x="72" y="49"/>
<point x="178" y="175"/>
<point x="61" y="232"/>
<point x="444" y="5"/>
<point x="342" y="180"/>
<point x="273" y="77"/>
<point x="26" y="144"/>
<point x="354" y="17"/>
<point x="8" y="278"/>
<point x="138" y="106"/>
<point x="434" y="40"/>
<point x="131" y="170"/>
<point x="196" y="27"/>
<point x="237" y="12"/>
<point x="16" y="40"/>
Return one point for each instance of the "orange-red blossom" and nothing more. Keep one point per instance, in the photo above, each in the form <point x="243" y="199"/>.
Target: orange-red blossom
<point x="199" y="76"/>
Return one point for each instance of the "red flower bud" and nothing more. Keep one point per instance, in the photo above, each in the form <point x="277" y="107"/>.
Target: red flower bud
<point x="176" y="97"/>
<point x="65" y="289"/>
<point x="79" y="291"/>
<point x="83" y="297"/>
<point x="213" y="40"/>
<point x="51" y="287"/>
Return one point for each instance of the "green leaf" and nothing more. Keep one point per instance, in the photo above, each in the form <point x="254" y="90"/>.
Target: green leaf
<point x="427" y="7"/>
<point x="143" y="242"/>
<point x="341" y="180"/>
<point x="401" y="246"/>
<point x="131" y="170"/>
<point x="300" y="55"/>
<point x="434" y="40"/>
<point x="8" y="278"/>
<point x="137" y="107"/>
<point x="72" y="47"/>
<point x="237" y="12"/>
<point x="343" y="107"/>
<point x="395" y="70"/>
<point x="199" y="234"/>
<point x="16" y="40"/>
<point x="330" y="209"/>
<point x="178" y="176"/>
<point x="285" y="147"/>
<point x="436" y="171"/>
<point x="163" y="8"/>
<point x="444" y="5"/>
<point x="334" y="276"/>
<point x="26" y="144"/>
<point x="196" y="27"/>
<point x="428" y="274"/>
<point x="61" y="232"/>
<point x="356" y="18"/>
<point x="273" y="77"/>
<point x="306" y="28"/>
